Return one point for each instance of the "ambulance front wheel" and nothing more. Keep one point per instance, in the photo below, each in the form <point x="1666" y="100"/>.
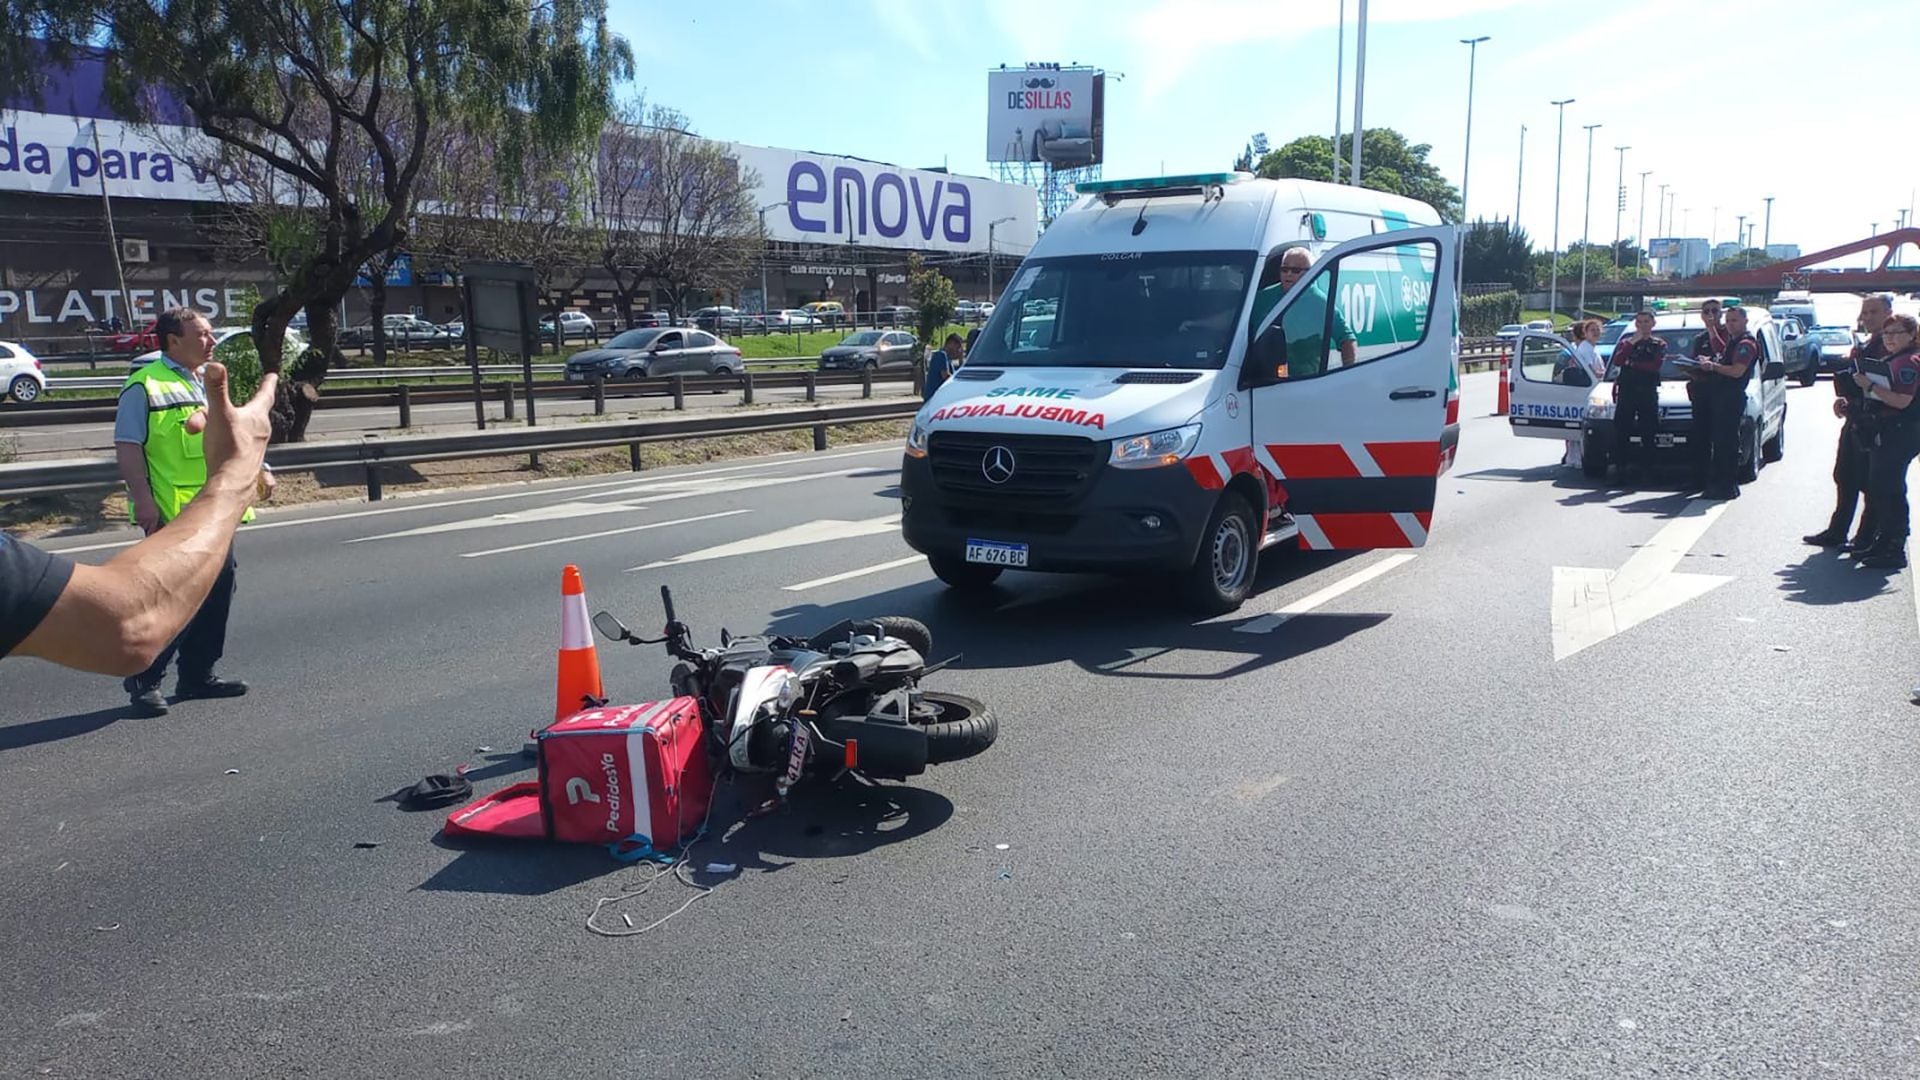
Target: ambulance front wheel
<point x="963" y="575"/>
<point x="1222" y="573"/>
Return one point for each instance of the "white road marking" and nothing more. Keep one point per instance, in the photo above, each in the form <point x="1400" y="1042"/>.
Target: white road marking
<point x="851" y="574"/>
<point x="524" y="493"/>
<point x="553" y="512"/>
<point x="1590" y="606"/>
<point x="598" y="535"/>
<point x="1267" y="624"/>
<point x="823" y="531"/>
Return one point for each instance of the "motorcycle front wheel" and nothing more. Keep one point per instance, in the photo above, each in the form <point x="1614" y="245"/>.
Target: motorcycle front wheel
<point x="957" y="727"/>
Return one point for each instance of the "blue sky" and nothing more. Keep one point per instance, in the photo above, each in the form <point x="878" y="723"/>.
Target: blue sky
<point x="1726" y="101"/>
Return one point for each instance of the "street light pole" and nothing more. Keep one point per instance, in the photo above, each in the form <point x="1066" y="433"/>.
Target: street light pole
<point x="1359" y="90"/>
<point x="1619" y="202"/>
<point x="1466" y="160"/>
<point x="991" y="297"/>
<point x="1339" y="86"/>
<point x="763" y="254"/>
<point x="1586" y="225"/>
<point x="1553" y="289"/>
<point x="1519" y="177"/>
<point x="1766" y="235"/>
<point x="1640" y="233"/>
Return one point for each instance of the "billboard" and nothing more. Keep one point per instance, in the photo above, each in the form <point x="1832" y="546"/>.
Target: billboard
<point x="1663" y="249"/>
<point x="1046" y="115"/>
<point x="836" y="200"/>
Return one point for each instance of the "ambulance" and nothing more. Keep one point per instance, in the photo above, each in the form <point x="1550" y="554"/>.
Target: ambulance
<point x="1152" y="394"/>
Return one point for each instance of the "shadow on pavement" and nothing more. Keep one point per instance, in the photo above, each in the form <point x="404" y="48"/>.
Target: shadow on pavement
<point x="20" y="736"/>
<point x="1825" y="578"/>
<point x="517" y="867"/>
<point x="1107" y="627"/>
<point x="1536" y="473"/>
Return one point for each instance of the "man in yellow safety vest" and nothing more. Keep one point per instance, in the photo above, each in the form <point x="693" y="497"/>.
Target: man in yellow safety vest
<point x="157" y="437"/>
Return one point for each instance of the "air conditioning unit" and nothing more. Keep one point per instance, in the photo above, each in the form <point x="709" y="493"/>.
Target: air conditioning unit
<point x="133" y="251"/>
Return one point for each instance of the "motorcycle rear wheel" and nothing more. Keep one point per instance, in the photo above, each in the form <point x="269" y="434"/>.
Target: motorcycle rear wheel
<point x="962" y="727"/>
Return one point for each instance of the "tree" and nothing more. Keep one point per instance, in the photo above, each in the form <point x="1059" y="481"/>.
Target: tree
<point x="675" y="209"/>
<point x="933" y="296"/>
<point x="1388" y="163"/>
<point x="1497" y="251"/>
<point x="378" y="77"/>
<point x="1742" y="260"/>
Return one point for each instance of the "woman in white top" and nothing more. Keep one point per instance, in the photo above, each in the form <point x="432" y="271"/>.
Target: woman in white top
<point x="1586" y="335"/>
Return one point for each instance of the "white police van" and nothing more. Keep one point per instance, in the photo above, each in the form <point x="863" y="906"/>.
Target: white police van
<point x="1149" y="395"/>
<point x="1551" y="397"/>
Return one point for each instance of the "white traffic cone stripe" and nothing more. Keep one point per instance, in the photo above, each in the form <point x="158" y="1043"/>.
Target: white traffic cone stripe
<point x="576" y="626"/>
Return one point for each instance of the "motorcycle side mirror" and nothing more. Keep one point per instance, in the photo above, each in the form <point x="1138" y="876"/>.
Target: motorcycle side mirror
<point x="611" y="628"/>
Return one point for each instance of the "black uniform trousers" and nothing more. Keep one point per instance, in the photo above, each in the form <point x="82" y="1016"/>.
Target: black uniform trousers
<point x="200" y="644"/>
<point x="1636" y="411"/>
<point x="1719" y="410"/>
<point x="1892" y="451"/>
<point x="1850" y="464"/>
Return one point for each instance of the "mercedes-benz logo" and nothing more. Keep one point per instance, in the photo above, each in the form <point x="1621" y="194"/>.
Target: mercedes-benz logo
<point x="997" y="464"/>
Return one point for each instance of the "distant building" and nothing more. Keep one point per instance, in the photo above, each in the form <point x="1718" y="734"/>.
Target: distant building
<point x="1725" y="251"/>
<point x="1783" y="251"/>
<point x="1679" y="256"/>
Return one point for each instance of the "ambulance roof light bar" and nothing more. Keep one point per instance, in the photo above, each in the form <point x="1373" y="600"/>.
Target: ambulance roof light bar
<point x="1212" y="185"/>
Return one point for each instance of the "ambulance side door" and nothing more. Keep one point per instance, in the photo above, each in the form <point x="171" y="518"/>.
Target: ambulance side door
<point x="1549" y="388"/>
<point x="1347" y="378"/>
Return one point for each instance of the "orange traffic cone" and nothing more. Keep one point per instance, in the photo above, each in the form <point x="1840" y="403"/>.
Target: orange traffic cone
<point x="1506" y="383"/>
<point x="579" y="683"/>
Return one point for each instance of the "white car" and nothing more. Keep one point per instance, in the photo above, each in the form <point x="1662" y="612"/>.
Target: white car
<point x="20" y="374"/>
<point x="290" y="349"/>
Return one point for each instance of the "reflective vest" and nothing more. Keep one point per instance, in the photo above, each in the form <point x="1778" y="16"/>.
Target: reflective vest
<point x="176" y="458"/>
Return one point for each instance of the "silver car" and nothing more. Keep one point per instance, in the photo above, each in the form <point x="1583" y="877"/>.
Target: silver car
<point x="656" y="352"/>
<point x="869" y="349"/>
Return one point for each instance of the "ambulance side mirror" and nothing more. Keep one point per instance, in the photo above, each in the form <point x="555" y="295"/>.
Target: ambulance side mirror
<point x="1266" y="359"/>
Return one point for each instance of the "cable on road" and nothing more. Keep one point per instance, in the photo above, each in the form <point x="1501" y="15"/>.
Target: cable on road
<point x="677" y="869"/>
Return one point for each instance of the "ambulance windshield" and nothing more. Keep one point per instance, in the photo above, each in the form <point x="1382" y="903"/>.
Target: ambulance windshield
<point x="1126" y="309"/>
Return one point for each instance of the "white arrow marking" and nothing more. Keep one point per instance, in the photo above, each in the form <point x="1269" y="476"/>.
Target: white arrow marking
<point x="834" y="579"/>
<point x="813" y="532"/>
<point x="598" y="535"/>
<point x="561" y="511"/>
<point x="1590" y="606"/>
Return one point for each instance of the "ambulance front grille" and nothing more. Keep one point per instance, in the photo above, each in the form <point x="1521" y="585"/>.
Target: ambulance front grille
<point x="1049" y="469"/>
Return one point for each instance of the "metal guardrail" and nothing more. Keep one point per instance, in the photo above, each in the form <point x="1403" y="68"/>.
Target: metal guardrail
<point x="436" y="371"/>
<point x="76" y="475"/>
<point x="404" y="396"/>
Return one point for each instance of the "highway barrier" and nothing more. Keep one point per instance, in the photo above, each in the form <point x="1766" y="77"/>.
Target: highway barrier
<point x="404" y="396"/>
<point x="372" y="452"/>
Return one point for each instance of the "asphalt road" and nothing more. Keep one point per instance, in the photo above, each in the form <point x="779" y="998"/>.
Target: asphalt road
<point x="1389" y="835"/>
<point x="72" y="440"/>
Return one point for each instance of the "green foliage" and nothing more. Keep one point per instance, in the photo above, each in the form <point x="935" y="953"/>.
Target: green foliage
<point x="1497" y="251"/>
<point x="1388" y="162"/>
<point x="1743" y="260"/>
<point x="1483" y="316"/>
<point x="932" y="293"/>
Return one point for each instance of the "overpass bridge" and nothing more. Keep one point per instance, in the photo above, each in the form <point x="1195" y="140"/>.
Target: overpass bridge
<point x="1791" y="274"/>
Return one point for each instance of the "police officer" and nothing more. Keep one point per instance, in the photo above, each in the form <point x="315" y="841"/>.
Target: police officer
<point x="1722" y="401"/>
<point x="1895" y="428"/>
<point x="1636" y="396"/>
<point x="1709" y="344"/>
<point x="1850" y="459"/>
<point x="158" y="438"/>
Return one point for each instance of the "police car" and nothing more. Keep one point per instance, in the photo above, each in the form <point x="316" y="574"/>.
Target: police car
<point x="1552" y="398"/>
<point x="1152" y="394"/>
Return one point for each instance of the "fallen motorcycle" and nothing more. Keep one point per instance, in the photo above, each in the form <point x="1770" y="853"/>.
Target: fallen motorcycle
<point x="845" y="700"/>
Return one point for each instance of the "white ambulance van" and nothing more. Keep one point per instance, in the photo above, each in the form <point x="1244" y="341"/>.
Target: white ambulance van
<point x="1153" y="394"/>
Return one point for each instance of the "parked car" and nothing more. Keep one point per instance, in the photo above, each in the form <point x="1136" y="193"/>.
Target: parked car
<point x="869" y="349"/>
<point x="641" y="319"/>
<point x="655" y="352"/>
<point x="410" y="330"/>
<point x="789" y="319"/>
<point x="135" y="341"/>
<point x="829" y="312"/>
<point x="21" y="376"/>
<point x="1796" y="348"/>
<point x="229" y="339"/>
<point x="573" y="324"/>
<point x="719" y="318"/>
<point x="896" y="315"/>
<point x="1830" y="346"/>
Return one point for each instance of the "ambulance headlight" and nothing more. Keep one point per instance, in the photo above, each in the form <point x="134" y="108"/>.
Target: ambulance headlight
<point x="1600" y="403"/>
<point x="1153" y="450"/>
<point x="917" y="439"/>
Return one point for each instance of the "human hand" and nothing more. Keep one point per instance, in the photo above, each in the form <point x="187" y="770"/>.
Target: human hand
<point x="1861" y="381"/>
<point x="267" y="484"/>
<point x="1840" y="408"/>
<point x="197" y="423"/>
<point x="236" y="436"/>
<point x="146" y="515"/>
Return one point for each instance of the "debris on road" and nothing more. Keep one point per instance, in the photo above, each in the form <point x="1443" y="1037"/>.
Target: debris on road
<point x="107" y="929"/>
<point x="233" y="772"/>
<point x="367" y="843"/>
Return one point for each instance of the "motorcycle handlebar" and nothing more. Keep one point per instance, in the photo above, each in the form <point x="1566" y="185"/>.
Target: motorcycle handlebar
<point x="666" y="600"/>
